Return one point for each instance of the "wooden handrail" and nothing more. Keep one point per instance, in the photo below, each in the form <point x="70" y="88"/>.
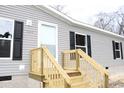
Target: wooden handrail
<point x="79" y="53"/>
<point x="88" y="59"/>
<point x="92" y="62"/>
<point x="97" y="66"/>
<point x="35" y="49"/>
<point x="59" y="68"/>
<point x="69" y="51"/>
<point x="66" y="56"/>
<point x="44" y="63"/>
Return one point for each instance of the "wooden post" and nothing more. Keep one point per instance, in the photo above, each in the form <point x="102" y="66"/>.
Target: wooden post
<point x="66" y="85"/>
<point x="77" y="60"/>
<point x="63" y="60"/>
<point x="106" y="81"/>
<point x="42" y="61"/>
<point x="45" y="84"/>
<point x="31" y="61"/>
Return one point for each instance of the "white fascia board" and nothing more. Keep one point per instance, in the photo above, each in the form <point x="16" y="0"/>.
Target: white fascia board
<point x="95" y="29"/>
<point x="54" y="13"/>
<point x="74" y="22"/>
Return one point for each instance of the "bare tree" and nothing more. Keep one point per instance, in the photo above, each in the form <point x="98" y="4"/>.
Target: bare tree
<point x="60" y="8"/>
<point x="111" y="21"/>
<point x="105" y="21"/>
<point x="120" y="20"/>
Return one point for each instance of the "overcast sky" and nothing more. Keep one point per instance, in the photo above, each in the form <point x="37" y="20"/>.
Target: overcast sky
<point x="85" y="10"/>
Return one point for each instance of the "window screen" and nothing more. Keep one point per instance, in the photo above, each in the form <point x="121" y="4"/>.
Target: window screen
<point x="117" y="54"/>
<point x="117" y="50"/>
<point x="116" y="45"/>
<point x="80" y="40"/>
<point x="5" y="46"/>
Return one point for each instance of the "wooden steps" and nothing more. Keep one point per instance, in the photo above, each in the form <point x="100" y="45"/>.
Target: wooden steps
<point x="83" y="84"/>
<point x="77" y="79"/>
<point x="73" y="73"/>
<point x="36" y="76"/>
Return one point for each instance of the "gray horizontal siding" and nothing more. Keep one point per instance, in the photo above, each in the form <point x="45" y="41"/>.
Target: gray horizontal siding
<point x="101" y="44"/>
<point x="102" y="50"/>
<point x="22" y="13"/>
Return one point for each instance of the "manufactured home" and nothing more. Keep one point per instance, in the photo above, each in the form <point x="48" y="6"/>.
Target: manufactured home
<point x="27" y="31"/>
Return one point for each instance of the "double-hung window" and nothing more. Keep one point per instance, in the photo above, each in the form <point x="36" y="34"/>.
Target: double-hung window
<point x="6" y="37"/>
<point x="81" y="42"/>
<point x="117" y="50"/>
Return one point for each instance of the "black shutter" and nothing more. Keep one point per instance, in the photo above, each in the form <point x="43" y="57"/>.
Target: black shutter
<point x="89" y="46"/>
<point x="121" y="50"/>
<point x="18" y="39"/>
<point x="114" y="53"/>
<point x="72" y="40"/>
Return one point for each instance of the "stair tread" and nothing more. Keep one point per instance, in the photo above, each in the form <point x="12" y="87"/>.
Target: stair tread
<point x="71" y="71"/>
<point x="76" y="77"/>
<point x="66" y="68"/>
<point x="83" y="83"/>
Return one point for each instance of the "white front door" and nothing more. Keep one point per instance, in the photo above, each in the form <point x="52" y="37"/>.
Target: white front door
<point x="47" y="36"/>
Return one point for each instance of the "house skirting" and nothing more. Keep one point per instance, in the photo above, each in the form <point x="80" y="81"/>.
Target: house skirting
<point x="20" y="81"/>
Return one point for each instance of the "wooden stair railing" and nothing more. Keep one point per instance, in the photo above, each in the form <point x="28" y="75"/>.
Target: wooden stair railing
<point x="69" y="59"/>
<point x="95" y="73"/>
<point x="43" y="63"/>
<point x="53" y="72"/>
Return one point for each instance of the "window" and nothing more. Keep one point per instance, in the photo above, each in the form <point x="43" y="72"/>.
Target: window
<point x="6" y="37"/>
<point x="117" y="49"/>
<point x="80" y="42"/>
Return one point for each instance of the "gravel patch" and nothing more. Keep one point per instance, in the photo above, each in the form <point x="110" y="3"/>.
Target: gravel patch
<point x="116" y="81"/>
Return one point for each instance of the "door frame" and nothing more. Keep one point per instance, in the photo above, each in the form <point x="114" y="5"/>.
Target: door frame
<point x="49" y="24"/>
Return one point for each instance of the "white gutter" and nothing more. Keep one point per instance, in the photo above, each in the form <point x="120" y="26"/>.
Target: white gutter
<point x="74" y="22"/>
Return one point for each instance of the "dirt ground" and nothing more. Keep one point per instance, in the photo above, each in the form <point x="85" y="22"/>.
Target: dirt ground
<point x="116" y="81"/>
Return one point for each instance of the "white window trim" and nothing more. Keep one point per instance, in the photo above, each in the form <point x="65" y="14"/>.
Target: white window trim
<point x="49" y="24"/>
<point x="11" y="50"/>
<point x="118" y="49"/>
<point x="85" y="41"/>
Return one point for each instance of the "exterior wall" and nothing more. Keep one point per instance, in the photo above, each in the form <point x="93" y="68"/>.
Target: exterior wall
<point x="22" y="13"/>
<point x="102" y="49"/>
<point x="101" y="44"/>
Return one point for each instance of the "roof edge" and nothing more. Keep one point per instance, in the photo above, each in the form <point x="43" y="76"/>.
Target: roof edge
<point x="72" y="21"/>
